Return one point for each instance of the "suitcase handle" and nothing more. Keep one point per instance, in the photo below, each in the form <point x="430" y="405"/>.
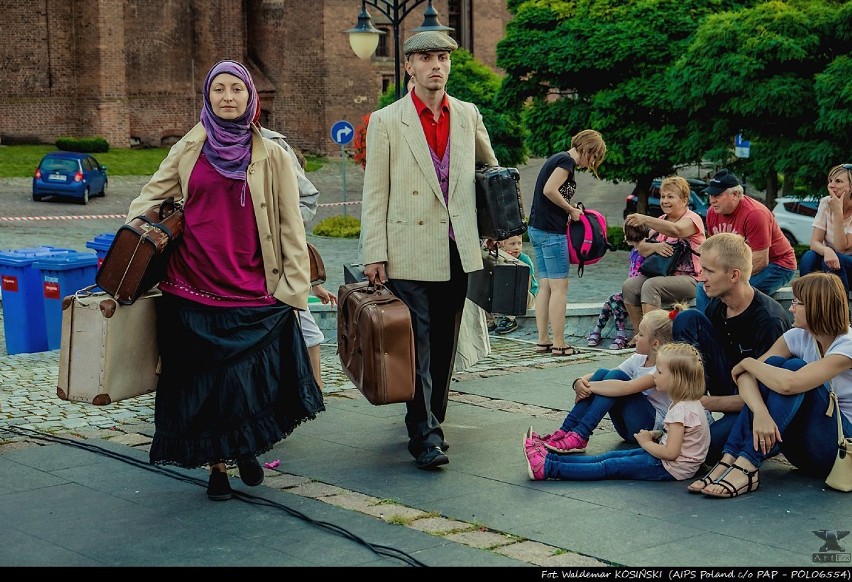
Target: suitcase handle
<point x="78" y="296"/>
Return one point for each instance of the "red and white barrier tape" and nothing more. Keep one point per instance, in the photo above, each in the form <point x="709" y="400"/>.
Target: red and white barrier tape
<point x="340" y="203"/>
<point x="39" y="218"/>
<point x="121" y="216"/>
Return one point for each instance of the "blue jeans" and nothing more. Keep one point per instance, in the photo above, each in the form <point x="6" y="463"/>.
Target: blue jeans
<point x="551" y="253"/>
<point x="620" y="464"/>
<point x="809" y="437"/>
<point x="769" y="280"/>
<point x="812" y="261"/>
<point x="693" y="327"/>
<point x="629" y="414"/>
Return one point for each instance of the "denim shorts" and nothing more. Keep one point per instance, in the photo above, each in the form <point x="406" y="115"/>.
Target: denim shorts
<point x="551" y="253"/>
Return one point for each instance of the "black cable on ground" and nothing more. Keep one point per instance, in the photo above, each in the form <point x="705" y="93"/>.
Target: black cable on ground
<point x="378" y="549"/>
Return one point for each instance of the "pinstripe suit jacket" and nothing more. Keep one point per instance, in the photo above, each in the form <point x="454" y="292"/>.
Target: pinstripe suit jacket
<point x="404" y="219"/>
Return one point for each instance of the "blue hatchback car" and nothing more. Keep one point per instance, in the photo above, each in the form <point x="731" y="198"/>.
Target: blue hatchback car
<point x="69" y="175"/>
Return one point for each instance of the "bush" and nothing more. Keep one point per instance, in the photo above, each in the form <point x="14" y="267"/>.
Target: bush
<point x="338" y="227"/>
<point x="800" y="250"/>
<point x="88" y="145"/>
<point x="615" y="235"/>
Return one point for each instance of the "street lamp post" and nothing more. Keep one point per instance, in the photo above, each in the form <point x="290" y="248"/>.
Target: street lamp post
<point x="364" y="37"/>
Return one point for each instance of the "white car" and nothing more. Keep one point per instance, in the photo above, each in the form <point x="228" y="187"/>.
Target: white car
<point x="795" y="216"/>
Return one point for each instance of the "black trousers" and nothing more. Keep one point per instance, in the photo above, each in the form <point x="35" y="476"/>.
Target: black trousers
<point x="436" y="312"/>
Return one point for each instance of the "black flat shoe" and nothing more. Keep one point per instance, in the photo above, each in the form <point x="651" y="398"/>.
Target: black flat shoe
<point x="431" y="459"/>
<point x="250" y="472"/>
<point x="218" y="487"/>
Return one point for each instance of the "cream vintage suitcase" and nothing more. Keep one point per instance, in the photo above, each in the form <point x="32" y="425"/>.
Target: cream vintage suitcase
<point x="108" y="352"/>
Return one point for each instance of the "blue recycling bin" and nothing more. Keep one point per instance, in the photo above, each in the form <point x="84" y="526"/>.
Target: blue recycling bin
<point x="23" y="308"/>
<point x="101" y="244"/>
<point x="63" y="275"/>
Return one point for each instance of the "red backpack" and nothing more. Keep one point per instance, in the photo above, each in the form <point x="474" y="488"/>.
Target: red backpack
<point x="587" y="239"/>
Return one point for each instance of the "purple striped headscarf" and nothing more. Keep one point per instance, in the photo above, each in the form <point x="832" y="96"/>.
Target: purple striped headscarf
<point x="228" y="144"/>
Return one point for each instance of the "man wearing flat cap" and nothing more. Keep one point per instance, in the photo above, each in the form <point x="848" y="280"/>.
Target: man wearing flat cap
<point x="418" y="224"/>
<point x="773" y="258"/>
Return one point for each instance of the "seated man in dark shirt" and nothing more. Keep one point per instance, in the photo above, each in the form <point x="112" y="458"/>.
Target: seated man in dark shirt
<point x="739" y="322"/>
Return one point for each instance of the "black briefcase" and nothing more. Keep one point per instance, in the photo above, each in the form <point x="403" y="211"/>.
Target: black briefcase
<point x="353" y="274"/>
<point x="499" y="206"/>
<point x="502" y="286"/>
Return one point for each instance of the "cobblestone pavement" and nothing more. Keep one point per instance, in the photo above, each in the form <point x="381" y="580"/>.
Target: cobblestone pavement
<point x="29" y="394"/>
<point x="28" y="401"/>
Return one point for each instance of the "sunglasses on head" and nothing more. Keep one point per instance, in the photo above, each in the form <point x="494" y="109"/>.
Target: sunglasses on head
<point x="846" y="166"/>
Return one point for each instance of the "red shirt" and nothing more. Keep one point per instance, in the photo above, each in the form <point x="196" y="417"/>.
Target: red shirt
<point x="437" y="132"/>
<point x="756" y="223"/>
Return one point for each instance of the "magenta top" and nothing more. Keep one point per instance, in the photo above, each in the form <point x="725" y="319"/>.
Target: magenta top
<point x="218" y="261"/>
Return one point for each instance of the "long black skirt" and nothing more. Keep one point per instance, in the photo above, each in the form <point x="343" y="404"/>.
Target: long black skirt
<point x="234" y="382"/>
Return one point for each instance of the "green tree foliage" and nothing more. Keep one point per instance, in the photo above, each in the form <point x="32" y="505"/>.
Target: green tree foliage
<point x="670" y="82"/>
<point x="780" y="73"/>
<point x="471" y="80"/>
<point x="602" y="64"/>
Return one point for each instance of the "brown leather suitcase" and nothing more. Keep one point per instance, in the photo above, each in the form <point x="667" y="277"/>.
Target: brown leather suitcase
<point x="375" y="342"/>
<point x="136" y="259"/>
<point x="317" y="266"/>
<point x="108" y="352"/>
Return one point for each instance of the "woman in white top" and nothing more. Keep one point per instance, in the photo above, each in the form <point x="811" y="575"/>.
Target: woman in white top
<point x="786" y="392"/>
<point x="831" y="241"/>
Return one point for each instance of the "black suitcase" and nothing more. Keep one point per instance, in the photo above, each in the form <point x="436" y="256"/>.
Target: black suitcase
<point x="501" y="287"/>
<point x="499" y="207"/>
<point x="353" y="274"/>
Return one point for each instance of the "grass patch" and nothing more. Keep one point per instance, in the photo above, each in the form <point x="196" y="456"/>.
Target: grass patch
<point x="314" y="163"/>
<point x="21" y="161"/>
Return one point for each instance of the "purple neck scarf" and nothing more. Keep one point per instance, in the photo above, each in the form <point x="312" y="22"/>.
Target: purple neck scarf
<point x="228" y="144"/>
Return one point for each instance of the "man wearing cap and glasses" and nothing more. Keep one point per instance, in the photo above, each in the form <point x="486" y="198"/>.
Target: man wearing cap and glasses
<point x="773" y="258"/>
<point x="418" y="223"/>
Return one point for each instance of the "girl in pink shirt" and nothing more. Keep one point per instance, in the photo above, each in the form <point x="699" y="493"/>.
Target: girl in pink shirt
<point x="674" y="453"/>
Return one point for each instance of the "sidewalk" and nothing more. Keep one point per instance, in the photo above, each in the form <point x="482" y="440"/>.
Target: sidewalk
<point x="345" y="492"/>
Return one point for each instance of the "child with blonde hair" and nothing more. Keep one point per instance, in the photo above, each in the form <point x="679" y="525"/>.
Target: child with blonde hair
<point x="513" y="247"/>
<point x="626" y="393"/>
<point x="672" y="454"/>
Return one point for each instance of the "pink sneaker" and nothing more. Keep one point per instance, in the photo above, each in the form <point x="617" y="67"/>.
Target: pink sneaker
<point x="535" y="456"/>
<point x="558" y="434"/>
<point x="569" y="442"/>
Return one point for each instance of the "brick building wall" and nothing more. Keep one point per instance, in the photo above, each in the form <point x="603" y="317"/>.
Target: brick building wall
<point x="132" y="71"/>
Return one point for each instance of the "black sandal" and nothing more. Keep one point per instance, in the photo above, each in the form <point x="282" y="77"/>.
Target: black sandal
<point x="730" y="490"/>
<point x="543" y="348"/>
<point x="564" y="351"/>
<point x="707" y="480"/>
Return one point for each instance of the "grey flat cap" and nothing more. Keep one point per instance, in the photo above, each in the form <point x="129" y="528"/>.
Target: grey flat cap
<point x="431" y="40"/>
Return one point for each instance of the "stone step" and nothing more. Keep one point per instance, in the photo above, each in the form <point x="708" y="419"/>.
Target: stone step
<point x="580" y="317"/>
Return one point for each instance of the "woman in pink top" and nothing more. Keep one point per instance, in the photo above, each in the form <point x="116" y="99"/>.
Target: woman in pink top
<point x="236" y="377"/>
<point x="831" y="241"/>
<point x="674" y="453"/>
<point x="642" y="294"/>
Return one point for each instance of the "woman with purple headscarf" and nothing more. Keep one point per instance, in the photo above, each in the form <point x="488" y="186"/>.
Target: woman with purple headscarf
<point x="236" y="377"/>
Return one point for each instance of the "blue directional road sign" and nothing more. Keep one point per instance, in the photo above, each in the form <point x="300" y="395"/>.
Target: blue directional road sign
<point x="342" y="132"/>
<point x="742" y="146"/>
